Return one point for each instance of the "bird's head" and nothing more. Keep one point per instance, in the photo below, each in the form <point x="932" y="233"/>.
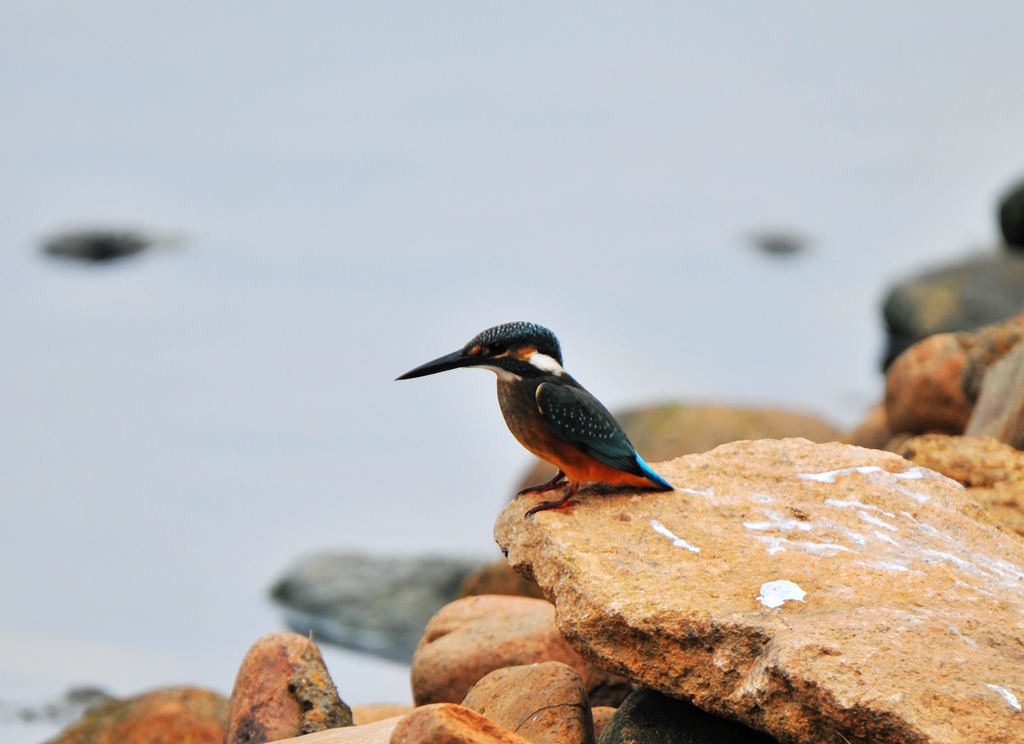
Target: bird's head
<point x="511" y="350"/>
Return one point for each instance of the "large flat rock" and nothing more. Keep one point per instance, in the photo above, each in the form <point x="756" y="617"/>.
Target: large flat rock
<point x="811" y="591"/>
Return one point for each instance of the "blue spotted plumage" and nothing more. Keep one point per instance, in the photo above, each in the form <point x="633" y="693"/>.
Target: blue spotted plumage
<point x="550" y="413"/>
<point x="580" y="419"/>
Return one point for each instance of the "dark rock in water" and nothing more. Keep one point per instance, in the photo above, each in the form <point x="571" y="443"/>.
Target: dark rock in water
<point x="378" y="606"/>
<point x="100" y="245"/>
<point x="961" y="297"/>
<point x="779" y="243"/>
<point x="1011" y="216"/>
<point x="648" y="717"/>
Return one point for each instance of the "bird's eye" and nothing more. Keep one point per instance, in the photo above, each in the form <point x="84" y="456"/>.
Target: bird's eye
<point x="496" y="349"/>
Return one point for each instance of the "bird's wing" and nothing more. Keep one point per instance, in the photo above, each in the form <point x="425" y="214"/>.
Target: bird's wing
<point x="577" y="417"/>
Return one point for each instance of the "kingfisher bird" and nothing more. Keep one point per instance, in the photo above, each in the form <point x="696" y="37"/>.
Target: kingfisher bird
<point x="550" y="413"/>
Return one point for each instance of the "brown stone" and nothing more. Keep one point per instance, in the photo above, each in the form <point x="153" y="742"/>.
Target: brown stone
<point x="377" y="732"/>
<point x="283" y="690"/>
<point x="872" y="432"/>
<point x="544" y="703"/>
<point x="601" y="715"/>
<point x="445" y="723"/>
<point x="933" y="385"/>
<point x="838" y="593"/>
<point x="924" y="390"/>
<point x="473" y="636"/>
<point x="999" y="411"/>
<point x="993" y="472"/>
<point x="182" y="715"/>
<point x="498" y="578"/>
<point x="974" y="462"/>
<point x="669" y="430"/>
<point x="363" y="714"/>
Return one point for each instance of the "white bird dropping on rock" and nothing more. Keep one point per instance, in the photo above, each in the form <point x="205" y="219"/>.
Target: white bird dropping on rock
<point x="677" y="541"/>
<point x="1008" y="696"/>
<point x="774" y="593"/>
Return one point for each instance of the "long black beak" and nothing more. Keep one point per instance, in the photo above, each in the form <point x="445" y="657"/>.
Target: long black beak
<point x="442" y="364"/>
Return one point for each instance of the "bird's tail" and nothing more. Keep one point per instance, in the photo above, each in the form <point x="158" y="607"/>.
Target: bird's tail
<point x="653" y="477"/>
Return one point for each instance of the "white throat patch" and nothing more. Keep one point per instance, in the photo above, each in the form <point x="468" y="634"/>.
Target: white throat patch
<point x="546" y="364"/>
<point x="503" y="374"/>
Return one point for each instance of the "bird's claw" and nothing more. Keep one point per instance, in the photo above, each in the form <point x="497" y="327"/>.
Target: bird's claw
<point x="551" y="505"/>
<point x="551" y="485"/>
<point x="564" y="501"/>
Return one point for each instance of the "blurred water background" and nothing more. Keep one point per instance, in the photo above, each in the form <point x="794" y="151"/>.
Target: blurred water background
<point x="362" y="187"/>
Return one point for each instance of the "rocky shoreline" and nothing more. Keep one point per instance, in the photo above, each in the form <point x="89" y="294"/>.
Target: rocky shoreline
<point x="787" y="591"/>
<point x="866" y="587"/>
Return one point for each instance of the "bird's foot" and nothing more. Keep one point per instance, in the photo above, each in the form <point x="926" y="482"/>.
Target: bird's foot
<point x="564" y="501"/>
<point x="551" y="485"/>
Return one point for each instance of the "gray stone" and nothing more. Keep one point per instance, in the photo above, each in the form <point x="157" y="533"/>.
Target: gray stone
<point x="99" y="245"/>
<point x="780" y="242"/>
<point x="1011" y="216"/>
<point x="960" y="297"/>
<point x="378" y="606"/>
